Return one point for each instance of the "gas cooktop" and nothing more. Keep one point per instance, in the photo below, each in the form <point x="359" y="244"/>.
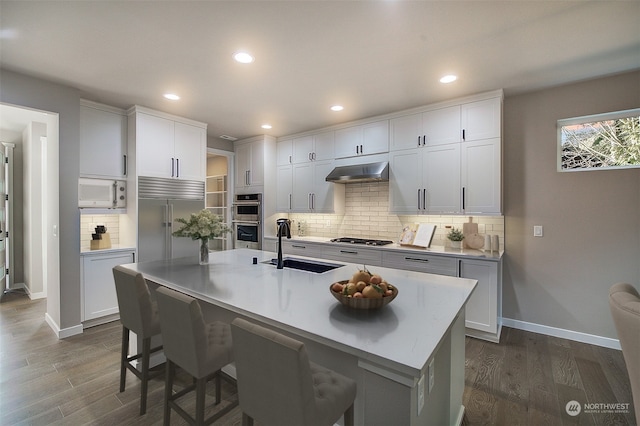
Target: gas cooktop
<point x="353" y="240"/>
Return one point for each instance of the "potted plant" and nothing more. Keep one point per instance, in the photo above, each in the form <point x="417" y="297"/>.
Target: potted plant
<point x="455" y="236"/>
<point x="202" y="226"/>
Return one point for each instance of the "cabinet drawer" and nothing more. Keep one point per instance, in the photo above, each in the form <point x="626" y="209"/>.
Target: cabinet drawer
<point x="421" y="263"/>
<point x="353" y="255"/>
<point x="300" y="248"/>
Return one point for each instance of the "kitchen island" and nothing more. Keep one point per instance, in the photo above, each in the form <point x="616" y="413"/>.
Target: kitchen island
<point x="407" y="358"/>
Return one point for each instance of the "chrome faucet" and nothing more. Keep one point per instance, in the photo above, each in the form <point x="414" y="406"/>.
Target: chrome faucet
<point x="284" y="227"/>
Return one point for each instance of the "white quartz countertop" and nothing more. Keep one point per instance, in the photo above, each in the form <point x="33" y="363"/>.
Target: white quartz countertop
<point x="86" y="250"/>
<point x="403" y="335"/>
<point x="436" y="250"/>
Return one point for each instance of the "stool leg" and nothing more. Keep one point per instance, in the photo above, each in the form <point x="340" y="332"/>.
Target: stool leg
<point x="218" y="387"/>
<point x="348" y="416"/>
<point x="201" y="387"/>
<point x="246" y="420"/>
<point x="168" y="390"/>
<point x="146" y="350"/>
<point x="123" y="357"/>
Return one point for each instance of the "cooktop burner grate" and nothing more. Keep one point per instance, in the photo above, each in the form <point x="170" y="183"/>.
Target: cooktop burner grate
<point x="368" y="242"/>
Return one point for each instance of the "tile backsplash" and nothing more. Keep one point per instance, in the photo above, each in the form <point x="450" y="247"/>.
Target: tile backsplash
<point x="366" y="215"/>
<point x="88" y="223"/>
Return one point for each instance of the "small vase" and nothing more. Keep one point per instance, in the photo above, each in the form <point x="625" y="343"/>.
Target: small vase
<point x="456" y="245"/>
<point x="204" y="251"/>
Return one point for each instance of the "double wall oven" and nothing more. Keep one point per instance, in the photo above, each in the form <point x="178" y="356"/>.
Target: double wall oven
<point x="247" y="221"/>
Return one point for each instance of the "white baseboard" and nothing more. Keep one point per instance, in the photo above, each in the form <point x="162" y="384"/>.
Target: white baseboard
<point x="562" y="333"/>
<point x="64" y="333"/>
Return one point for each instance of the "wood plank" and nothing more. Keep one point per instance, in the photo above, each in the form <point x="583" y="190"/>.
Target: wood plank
<point x="539" y="368"/>
<point x="566" y="394"/>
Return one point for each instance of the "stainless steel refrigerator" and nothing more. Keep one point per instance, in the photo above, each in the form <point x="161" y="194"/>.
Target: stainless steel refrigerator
<point x="160" y="203"/>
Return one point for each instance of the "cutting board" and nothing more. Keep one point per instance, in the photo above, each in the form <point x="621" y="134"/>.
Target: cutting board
<point x="469" y="229"/>
<point x="474" y="241"/>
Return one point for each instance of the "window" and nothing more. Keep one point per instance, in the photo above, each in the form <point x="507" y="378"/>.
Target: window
<point x="602" y="141"/>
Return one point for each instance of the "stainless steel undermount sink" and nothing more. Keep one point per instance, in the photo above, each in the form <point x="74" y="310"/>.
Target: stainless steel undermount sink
<point x="305" y="265"/>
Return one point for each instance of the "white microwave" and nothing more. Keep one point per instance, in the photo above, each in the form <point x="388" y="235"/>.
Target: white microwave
<point x="102" y="193"/>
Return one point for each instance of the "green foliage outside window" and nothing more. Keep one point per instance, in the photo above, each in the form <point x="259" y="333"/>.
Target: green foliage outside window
<point x="600" y="141"/>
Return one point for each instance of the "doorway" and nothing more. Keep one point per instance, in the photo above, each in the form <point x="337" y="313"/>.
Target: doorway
<point x="218" y="193"/>
<point x="35" y="251"/>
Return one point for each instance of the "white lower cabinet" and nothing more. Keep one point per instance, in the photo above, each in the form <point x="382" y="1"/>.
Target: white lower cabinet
<point x="99" y="291"/>
<point x="421" y="263"/>
<point x="357" y="255"/>
<point x="300" y="248"/>
<point x="484" y="308"/>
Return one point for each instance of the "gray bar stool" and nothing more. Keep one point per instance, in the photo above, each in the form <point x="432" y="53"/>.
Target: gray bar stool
<point x="138" y="313"/>
<point x="198" y="348"/>
<point x="278" y="385"/>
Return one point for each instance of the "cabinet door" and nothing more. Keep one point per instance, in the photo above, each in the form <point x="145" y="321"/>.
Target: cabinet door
<point x="405" y="180"/>
<point x="284" y="153"/>
<point x="99" y="290"/>
<point x="481" y="120"/>
<point x="420" y="262"/>
<point x="347" y="142"/>
<point x="441" y="177"/>
<point x="302" y="187"/>
<point x="375" y="138"/>
<point x="154" y="146"/>
<point x="256" y="172"/>
<point x="350" y="254"/>
<point x="302" y="149"/>
<point x="190" y="151"/>
<point x="481" y="176"/>
<point x="103" y="143"/>
<point x="284" y="193"/>
<point x="300" y="248"/>
<point x="243" y="164"/>
<point x="442" y="126"/>
<point x="405" y="132"/>
<point x="482" y="307"/>
<point x="323" y="146"/>
<point x="322" y="201"/>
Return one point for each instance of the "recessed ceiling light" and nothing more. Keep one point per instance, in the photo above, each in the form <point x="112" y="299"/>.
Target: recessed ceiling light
<point x="448" y="78"/>
<point x="337" y="108"/>
<point x="171" y="96"/>
<point x="266" y="126"/>
<point x="243" y="57"/>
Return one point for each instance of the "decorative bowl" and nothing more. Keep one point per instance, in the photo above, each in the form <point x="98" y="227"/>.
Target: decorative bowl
<point x="364" y="302"/>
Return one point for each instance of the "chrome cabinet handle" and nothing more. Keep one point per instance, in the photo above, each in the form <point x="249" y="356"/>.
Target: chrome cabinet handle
<point x="297" y="246"/>
<point x="173" y="167"/>
<point x="125" y="164"/>
<point x="177" y="167"/>
<point x="418" y="198"/>
<point x="289" y="201"/>
<point x="424" y="198"/>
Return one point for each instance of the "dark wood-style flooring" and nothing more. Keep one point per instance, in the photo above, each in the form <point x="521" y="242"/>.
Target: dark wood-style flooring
<point x="527" y="379"/>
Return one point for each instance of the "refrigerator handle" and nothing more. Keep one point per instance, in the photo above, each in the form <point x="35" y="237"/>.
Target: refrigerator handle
<point x="169" y="233"/>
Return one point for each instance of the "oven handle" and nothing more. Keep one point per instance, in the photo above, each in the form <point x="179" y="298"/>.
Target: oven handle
<point x="246" y="222"/>
<point x="248" y="203"/>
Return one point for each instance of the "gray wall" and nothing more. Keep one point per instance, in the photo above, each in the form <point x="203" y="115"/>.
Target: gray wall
<point x="591" y="219"/>
<point x="63" y="304"/>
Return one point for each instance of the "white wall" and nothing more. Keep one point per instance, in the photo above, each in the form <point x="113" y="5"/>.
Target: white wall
<point x="591" y="219"/>
<point x="63" y="247"/>
<point x="33" y="208"/>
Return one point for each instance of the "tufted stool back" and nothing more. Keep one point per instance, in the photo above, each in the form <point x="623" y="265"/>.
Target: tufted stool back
<point x="278" y="385"/>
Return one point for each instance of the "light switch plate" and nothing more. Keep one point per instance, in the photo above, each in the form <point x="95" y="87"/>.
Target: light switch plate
<point x="432" y="374"/>
<point x="537" y="230"/>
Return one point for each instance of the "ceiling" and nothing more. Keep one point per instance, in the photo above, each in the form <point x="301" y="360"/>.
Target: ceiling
<point x="372" y="57"/>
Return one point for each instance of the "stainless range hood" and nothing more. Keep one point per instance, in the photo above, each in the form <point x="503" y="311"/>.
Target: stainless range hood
<point x="371" y="172"/>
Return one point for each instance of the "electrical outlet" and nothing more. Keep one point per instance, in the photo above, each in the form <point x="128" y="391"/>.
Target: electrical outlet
<point x="432" y="374"/>
<point x="420" y="394"/>
<point x="537" y="230"/>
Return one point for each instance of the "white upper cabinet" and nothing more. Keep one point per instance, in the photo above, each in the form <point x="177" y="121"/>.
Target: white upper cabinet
<point x="365" y="139"/>
<point x="284" y="194"/>
<point x="250" y="156"/>
<point x="480" y="176"/>
<point x="429" y="128"/>
<point x="481" y="119"/>
<point x="310" y="192"/>
<point x="103" y="141"/>
<point x="316" y="147"/>
<point x="284" y="152"/>
<point x="167" y="147"/>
